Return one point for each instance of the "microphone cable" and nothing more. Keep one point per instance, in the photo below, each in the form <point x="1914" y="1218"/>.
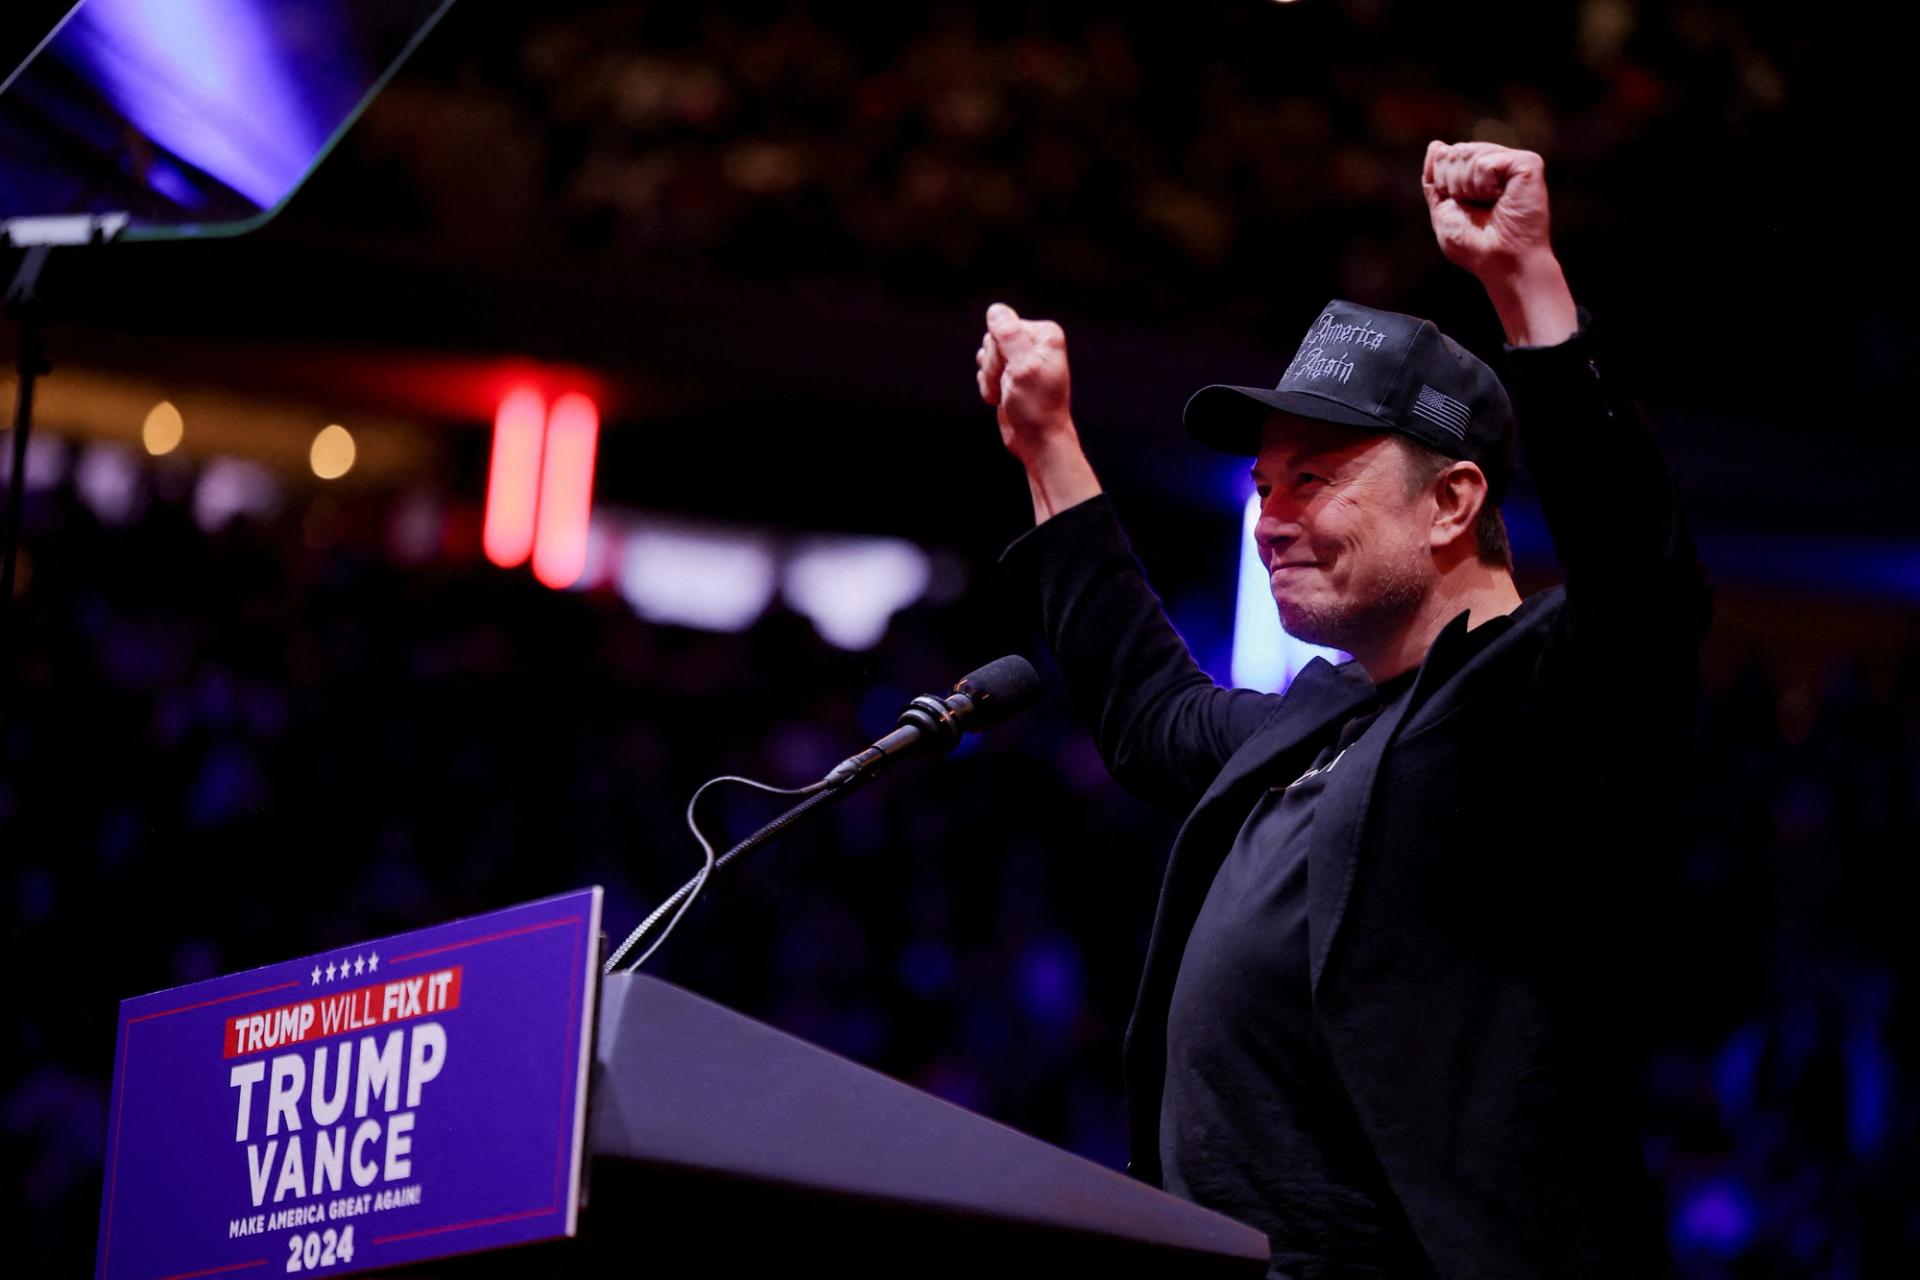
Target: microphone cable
<point x="817" y="793"/>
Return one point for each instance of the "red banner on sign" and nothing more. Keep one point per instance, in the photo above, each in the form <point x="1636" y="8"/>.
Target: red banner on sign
<point x="339" y="1012"/>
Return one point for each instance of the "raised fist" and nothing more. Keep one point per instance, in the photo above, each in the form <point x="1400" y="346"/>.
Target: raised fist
<point x="1023" y="374"/>
<point x="1488" y="204"/>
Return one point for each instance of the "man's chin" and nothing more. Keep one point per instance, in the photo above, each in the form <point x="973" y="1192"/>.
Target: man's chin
<point x="1313" y="626"/>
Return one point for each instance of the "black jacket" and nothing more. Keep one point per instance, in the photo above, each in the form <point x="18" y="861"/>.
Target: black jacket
<point x="1475" y="860"/>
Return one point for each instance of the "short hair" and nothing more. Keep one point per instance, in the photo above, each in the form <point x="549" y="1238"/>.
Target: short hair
<point x="1489" y="530"/>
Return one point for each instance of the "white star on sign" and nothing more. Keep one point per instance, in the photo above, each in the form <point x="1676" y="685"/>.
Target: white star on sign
<point x="316" y="975"/>
<point x="373" y="961"/>
<point x="359" y="966"/>
<point x="329" y="971"/>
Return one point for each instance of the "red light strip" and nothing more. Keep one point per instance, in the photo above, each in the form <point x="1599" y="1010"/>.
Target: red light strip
<point x="566" y="491"/>
<point x="513" y="477"/>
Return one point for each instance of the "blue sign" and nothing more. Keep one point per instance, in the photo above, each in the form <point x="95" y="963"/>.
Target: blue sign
<point x="403" y="1099"/>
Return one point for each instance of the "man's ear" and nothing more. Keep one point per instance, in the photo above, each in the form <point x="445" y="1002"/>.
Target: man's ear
<point x="1459" y="492"/>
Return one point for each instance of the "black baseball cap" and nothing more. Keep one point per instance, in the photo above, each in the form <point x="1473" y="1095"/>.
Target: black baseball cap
<point x="1379" y="371"/>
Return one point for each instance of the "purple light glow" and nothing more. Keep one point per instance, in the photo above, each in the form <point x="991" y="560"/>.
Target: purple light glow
<point x="212" y="81"/>
<point x="1717" y="1219"/>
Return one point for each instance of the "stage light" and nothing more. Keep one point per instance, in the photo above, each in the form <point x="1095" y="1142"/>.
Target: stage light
<point x="851" y="587"/>
<point x="686" y="576"/>
<point x="108" y="480"/>
<point x="566" y="491"/>
<point x="230" y="487"/>
<point x="1265" y="657"/>
<point x="162" y="431"/>
<point x="513" y="477"/>
<point x="332" y="452"/>
<point x="46" y="461"/>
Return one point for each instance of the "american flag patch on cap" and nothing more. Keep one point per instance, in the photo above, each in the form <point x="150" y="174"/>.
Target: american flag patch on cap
<point x="1442" y="410"/>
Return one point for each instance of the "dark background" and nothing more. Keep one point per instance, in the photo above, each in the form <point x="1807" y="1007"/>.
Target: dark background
<point x="765" y="233"/>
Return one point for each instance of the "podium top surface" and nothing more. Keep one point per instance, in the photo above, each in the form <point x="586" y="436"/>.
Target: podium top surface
<point x="682" y="1081"/>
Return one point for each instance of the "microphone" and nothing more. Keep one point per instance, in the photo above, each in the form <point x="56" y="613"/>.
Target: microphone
<point x="980" y="700"/>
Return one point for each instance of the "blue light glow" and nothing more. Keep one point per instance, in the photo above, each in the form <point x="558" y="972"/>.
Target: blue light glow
<point x="1870" y="1071"/>
<point x="1265" y="657"/>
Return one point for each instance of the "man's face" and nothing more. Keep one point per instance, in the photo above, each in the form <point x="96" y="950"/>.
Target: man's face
<point x="1346" y="549"/>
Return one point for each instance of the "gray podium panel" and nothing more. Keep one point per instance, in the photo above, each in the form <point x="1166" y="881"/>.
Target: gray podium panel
<point x="789" y="1154"/>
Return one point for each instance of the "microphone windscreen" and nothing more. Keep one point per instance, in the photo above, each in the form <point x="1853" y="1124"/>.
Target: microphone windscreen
<point x="1002" y="688"/>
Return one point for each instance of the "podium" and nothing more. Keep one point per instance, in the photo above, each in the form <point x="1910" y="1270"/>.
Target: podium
<point x="472" y="1099"/>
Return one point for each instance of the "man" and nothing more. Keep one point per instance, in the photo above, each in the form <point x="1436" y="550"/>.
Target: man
<point x="1377" y="1017"/>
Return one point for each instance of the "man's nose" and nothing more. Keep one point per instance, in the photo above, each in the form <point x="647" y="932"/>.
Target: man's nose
<point x="1275" y="527"/>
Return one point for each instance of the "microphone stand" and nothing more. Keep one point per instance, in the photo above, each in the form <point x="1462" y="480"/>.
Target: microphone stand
<point x="30" y="362"/>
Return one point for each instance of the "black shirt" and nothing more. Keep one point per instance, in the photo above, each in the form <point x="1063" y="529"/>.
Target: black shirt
<point x="1254" y="1121"/>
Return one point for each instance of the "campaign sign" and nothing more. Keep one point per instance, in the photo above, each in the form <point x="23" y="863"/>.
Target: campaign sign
<point x="404" y="1099"/>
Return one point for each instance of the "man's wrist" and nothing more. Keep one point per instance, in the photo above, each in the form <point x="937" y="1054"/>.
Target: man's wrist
<point x="1058" y="474"/>
<point x="1533" y="301"/>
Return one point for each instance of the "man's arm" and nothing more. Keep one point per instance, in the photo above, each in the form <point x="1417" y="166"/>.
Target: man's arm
<point x="1490" y="214"/>
<point x="1163" y="727"/>
<point x="1633" y="580"/>
<point x="1024" y="376"/>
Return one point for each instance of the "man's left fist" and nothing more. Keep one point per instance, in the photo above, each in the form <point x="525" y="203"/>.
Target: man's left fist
<point x="1488" y="204"/>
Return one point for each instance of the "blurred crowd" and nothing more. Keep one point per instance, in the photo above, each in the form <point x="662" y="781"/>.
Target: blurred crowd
<point x="1186" y="162"/>
<point x="227" y="750"/>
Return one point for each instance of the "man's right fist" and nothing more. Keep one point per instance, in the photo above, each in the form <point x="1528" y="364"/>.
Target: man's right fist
<point x="1023" y="374"/>
<point x="1488" y="205"/>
